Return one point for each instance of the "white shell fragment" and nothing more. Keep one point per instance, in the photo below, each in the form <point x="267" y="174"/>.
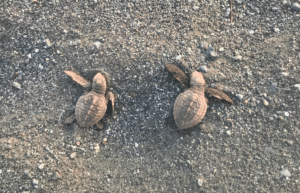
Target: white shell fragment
<point x="16" y="85"/>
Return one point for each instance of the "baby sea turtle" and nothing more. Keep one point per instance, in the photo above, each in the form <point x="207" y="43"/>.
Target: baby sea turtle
<point x="191" y="105"/>
<point x="92" y="105"/>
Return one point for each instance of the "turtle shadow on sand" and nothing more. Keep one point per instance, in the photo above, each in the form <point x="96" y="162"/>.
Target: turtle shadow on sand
<point x="170" y="121"/>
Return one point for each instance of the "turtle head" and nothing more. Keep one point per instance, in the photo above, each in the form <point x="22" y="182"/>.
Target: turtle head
<point x="197" y="79"/>
<point x="99" y="84"/>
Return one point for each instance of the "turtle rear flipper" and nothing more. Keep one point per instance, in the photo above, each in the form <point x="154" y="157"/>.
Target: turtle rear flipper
<point x="79" y="79"/>
<point x="218" y="94"/>
<point x="178" y="74"/>
<point x="100" y="125"/>
<point x="70" y="119"/>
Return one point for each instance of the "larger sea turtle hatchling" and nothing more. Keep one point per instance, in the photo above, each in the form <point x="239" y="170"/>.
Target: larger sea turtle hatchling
<point x="92" y="105"/>
<point x="191" y="105"/>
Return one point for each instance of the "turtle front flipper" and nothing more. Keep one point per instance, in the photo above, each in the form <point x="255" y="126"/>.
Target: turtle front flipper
<point x="178" y="74"/>
<point x="79" y="79"/>
<point x="218" y="94"/>
<point x="110" y="98"/>
<point x="70" y="119"/>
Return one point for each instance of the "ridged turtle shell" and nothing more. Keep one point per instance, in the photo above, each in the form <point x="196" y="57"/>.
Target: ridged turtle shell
<point x="90" y="108"/>
<point x="189" y="108"/>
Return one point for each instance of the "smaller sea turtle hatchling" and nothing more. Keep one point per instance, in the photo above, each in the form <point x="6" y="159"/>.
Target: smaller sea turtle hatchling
<point x="92" y="105"/>
<point x="191" y="105"/>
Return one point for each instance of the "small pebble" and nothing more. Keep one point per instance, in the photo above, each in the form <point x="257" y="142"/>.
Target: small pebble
<point x="73" y="155"/>
<point x="227" y="12"/>
<point x="104" y="141"/>
<point x="268" y="98"/>
<point x="199" y="182"/>
<point x="35" y="182"/>
<point x="297" y="86"/>
<point x="277" y="30"/>
<point x="48" y="43"/>
<point x="266" y="103"/>
<point x="238" y="58"/>
<point x="209" y="50"/>
<point x="26" y="187"/>
<point x="27" y="174"/>
<point x="236" y="52"/>
<point x="203" y="69"/>
<point x="284" y="73"/>
<point x="196" y="7"/>
<point x="286" y="114"/>
<point x="97" y="148"/>
<point x="41" y="67"/>
<point x="287" y="3"/>
<point x="136" y="145"/>
<point x="296" y="7"/>
<point x="204" y="45"/>
<point x="285" y="172"/>
<point x="73" y="148"/>
<point x="56" y="176"/>
<point x="27" y="154"/>
<point x="228" y="132"/>
<point x="178" y="57"/>
<point x="190" y="50"/>
<point x="221" y="49"/>
<point x="213" y="55"/>
<point x="240" y="97"/>
<point x="290" y="142"/>
<point x="239" y="1"/>
<point x="251" y="32"/>
<point x="91" y="147"/>
<point x="48" y="149"/>
<point x="41" y="167"/>
<point x="16" y="85"/>
<point x="97" y="44"/>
